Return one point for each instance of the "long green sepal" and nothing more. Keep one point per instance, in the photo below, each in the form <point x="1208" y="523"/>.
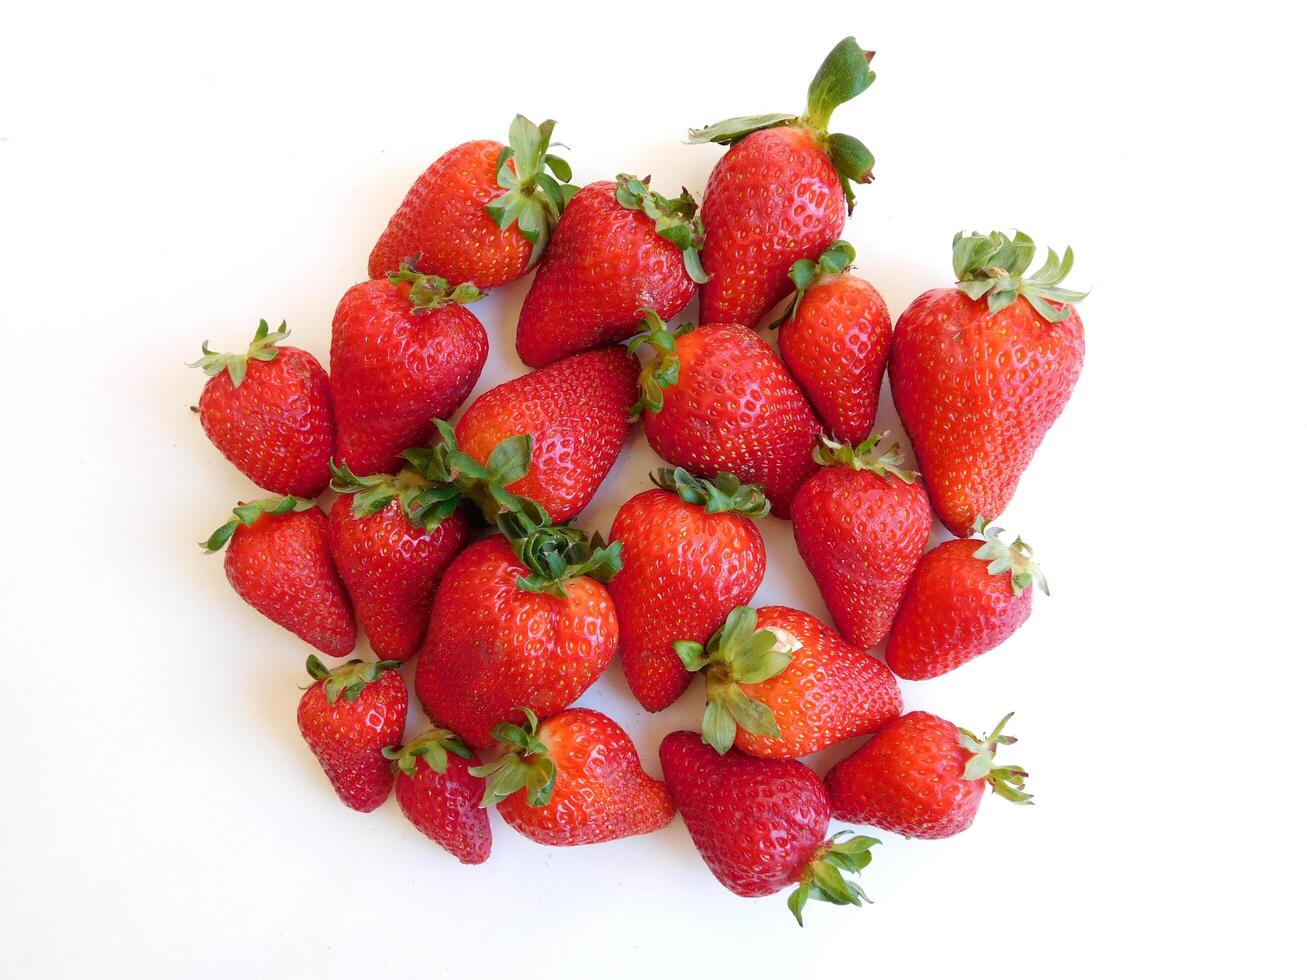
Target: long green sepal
<point x="250" y="512"/>
<point x="724" y="494"/>
<point x="1008" y="782"/>
<point x="262" y="348"/>
<point x="994" y="266"/>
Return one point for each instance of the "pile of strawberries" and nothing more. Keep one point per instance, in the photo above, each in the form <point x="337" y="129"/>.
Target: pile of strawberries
<point x="452" y="544"/>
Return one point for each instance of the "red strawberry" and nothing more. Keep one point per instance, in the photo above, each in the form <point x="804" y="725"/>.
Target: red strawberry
<point x="574" y="779"/>
<point x="964" y="599"/>
<point x="922" y="776"/>
<point x="619" y="248"/>
<point x="760" y="824"/>
<point x="780" y="192"/>
<point x="690" y="554"/>
<point x="716" y="399"/>
<point x="861" y="525"/>
<point x="440" y="796"/>
<point x="348" y="717"/>
<point x="482" y="213"/>
<point x="781" y="685"/>
<point x="981" y="372"/>
<point x="280" y="563"/>
<point x="269" y="412"/>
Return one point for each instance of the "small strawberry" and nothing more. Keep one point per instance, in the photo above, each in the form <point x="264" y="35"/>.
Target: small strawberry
<point x="964" y="599"/>
<point x="482" y="213"/>
<point x="861" y="525"/>
<point x="573" y="779"/>
<point x="280" y="563"/>
<point x="620" y="247"/>
<point x="922" y="776"/>
<point x="760" y="824"/>
<point x="269" y="412"/>
<point x="981" y="372"/>
<point x="690" y="554"/>
<point x="780" y="192"/>
<point x="439" y="794"/>
<point x="349" y="716"/>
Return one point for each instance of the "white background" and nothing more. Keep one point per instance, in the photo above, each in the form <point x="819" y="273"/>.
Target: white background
<point x="169" y="176"/>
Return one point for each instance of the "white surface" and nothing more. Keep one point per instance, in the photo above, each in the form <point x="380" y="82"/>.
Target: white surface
<point x="171" y="176"/>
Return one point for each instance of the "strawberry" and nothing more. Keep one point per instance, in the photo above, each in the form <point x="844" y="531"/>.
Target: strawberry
<point x="440" y="796"/>
<point x="349" y="716"/>
<point x="780" y="192"/>
<point x="922" y="776"/>
<point x="619" y="247"/>
<point x="403" y="350"/>
<point x="690" y="554"/>
<point x="964" y="599"/>
<point x="716" y="399"/>
<point x="573" y="779"/>
<point x="482" y="213"/>
<point x="760" y="824"/>
<point x="280" y="563"/>
<point x="981" y="372"/>
<point x="575" y="412"/>
<point x="861" y="524"/>
<point x="782" y="685"/>
<point x="269" y="412"/>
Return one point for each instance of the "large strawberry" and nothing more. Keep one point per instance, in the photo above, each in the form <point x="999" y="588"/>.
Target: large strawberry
<point x="981" y="372"/>
<point x="716" y="399"/>
<point x="573" y="779"/>
<point x="482" y="213"/>
<point x="690" y="554"/>
<point x="760" y="824"/>
<point x="620" y="247"/>
<point x="269" y="412"/>
<point x="440" y="796"/>
<point x="862" y="525"/>
<point x="279" y="561"/>
<point x="780" y="192"/>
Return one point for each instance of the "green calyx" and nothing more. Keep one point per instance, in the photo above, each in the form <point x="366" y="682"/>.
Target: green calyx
<point x="1016" y="558"/>
<point x="994" y="265"/>
<point x="524" y="764"/>
<point x="863" y="456"/>
<point x="428" y="292"/>
<point x="805" y="273"/>
<point x="664" y="369"/>
<point x="674" y="219"/>
<point x="555" y="554"/>
<point x="262" y="348"/>
<point x="724" y="494"/>
<point x="248" y="513"/>
<point x="532" y="198"/>
<point x="423" y="502"/>
<point x="823" y="879"/>
<point x="738" y="653"/>
<point x="433" y="747"/>
<point x="349" y="679"/>
<point x="1008" y="782"/>
<point x="482" y="484"/>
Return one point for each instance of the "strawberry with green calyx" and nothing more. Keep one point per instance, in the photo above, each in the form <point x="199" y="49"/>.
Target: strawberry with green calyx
<point x="673" y="218"/>
<point x="806" y="272"/>
<point x="483" y="484"/>
<point x="439" y="795"/>
<point x="532" y="199"/>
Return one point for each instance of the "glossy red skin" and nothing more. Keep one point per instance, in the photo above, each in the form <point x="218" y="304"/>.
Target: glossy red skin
<point x="575" y="411"/>
<point x="908" y="780"/>
<point x="281" y="565"/>
<point x="390" y="568"/>
<point x="604" y="262"/>
<point x="735" y="409"/>
<point x="861" y="536"/>
<point x="492" y="646"/>
<point x="953" y="610"/>
<point x="836" y="347"/>
<point x="443" y="218"/>
<point x="601" y="792"/>
<point x="347" y="737"/>
<point x="277" y="427"/>
<point x="447" y="807"/>
<point x="683" y="571"/>
<point x="976" y="392"/>
<point x="757" y="823"/>
<point x="773" y="199"/>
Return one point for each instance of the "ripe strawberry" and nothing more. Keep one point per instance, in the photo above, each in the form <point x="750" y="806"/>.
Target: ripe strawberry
<point x="861" y="525"/>
<point x="280" y="563"/>
<point x="964" y="599"/>
<point x="716" y="399"/>
<point x="348" y="717"/>
<point x="439" y="794"/>
<point x="403" y="350"/>
<point x="269" y="412"/>
<point x="782" y="685"/>
<point x="978" y="381"/>
<point x="619" y="247"/>
<point x="482" y="213"/>
<point x="760" y="824"/>
<point x="780" y="192"/>
<point x="922" y="776"/>
<point x="573" y="779"/>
